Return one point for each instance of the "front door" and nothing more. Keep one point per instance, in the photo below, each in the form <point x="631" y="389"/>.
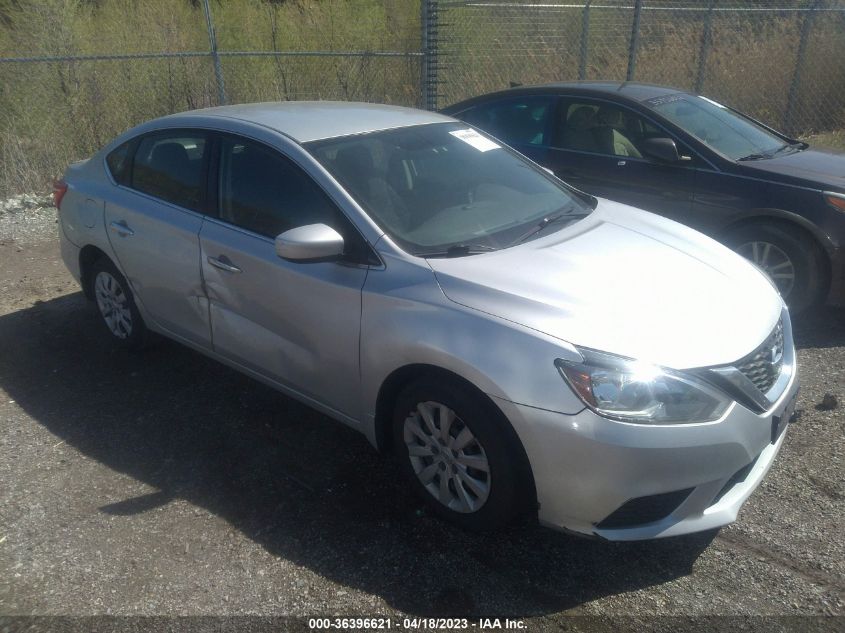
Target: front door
<point x="595" y="148"/>
<point x="295" y="323"/>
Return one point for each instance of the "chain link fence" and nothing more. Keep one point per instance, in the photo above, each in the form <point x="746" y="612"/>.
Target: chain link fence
<point x="782" y="62"/>
<point x="74" y="73"/>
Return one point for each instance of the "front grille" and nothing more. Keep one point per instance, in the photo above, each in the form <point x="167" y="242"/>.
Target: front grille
<point x="645" y="509"/>
<point x="764" y="365"/>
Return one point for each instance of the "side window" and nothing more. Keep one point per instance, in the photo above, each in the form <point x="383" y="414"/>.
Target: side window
<point x="515" y="121"/>
<point x="118" y="163"/>
<point x="170" y="167"/>
<point x="262" y="191"/>
<point x="599" y="128"/>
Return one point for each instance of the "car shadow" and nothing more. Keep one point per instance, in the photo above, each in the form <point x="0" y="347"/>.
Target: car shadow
<point x="307" y="489"/>
<point x="820" y="327"/>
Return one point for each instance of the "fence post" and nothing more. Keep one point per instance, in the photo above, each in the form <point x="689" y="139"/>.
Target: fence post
<point x="428" y="44"/>
<point x="585" y="41"/>
<point x="706" y="38"/>
<point x="215" y="57"/>
<point x="635" y="40"/>
<point x="806" y="25"/>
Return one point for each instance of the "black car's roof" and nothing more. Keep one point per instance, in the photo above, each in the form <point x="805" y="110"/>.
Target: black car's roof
<point x="629" y="89"/>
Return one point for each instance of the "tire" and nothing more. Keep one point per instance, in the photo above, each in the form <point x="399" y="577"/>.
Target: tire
<point x="478" y="499"/>
<point x="780" y="251"/>
<point x="116" y="305"/>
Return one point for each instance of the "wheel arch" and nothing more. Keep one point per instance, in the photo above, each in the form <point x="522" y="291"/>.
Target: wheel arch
<point x="88" y="255"/>
<point x="780" y="217"/>
<point x="790" y="221"/>
<point x="400" y="377"/>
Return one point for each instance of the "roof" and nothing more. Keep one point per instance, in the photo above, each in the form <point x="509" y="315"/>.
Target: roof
<point x="629" y="89"/>
<point x="306" y="121"/>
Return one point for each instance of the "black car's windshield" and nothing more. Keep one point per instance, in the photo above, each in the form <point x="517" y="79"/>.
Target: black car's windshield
<point x="715" y="125"/>
<point x="444" y="189"/>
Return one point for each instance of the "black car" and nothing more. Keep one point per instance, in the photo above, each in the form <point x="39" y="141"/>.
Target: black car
<point x="772" y="198"/>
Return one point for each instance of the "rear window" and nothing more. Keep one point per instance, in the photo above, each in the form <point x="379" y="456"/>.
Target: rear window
<point x="171" y="168"/>
<point x="118" y="163"/>
<point x="515" y="121"/>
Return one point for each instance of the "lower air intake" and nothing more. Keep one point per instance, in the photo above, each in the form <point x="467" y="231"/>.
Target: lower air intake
<point x="645" y="510"/>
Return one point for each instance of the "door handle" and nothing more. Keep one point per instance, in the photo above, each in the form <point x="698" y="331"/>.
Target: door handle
<point x="121" y="228"/>
<point x="223" y="265"/>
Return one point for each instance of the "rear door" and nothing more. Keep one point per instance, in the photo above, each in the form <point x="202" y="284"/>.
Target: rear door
<point x="295" y="323"/>
<point x="153" y="222"/>
<point x="523" y="122"/>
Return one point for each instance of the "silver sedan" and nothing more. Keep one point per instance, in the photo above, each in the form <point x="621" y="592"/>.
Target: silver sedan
<point x="522" y="347"/>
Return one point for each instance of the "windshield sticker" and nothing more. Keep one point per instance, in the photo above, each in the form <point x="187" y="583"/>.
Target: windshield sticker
<point x="471" y="137"/>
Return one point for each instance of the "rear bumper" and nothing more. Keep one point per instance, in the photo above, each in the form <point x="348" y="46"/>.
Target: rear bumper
<point x="70" y="254"/>
<point x="587" y="467"/>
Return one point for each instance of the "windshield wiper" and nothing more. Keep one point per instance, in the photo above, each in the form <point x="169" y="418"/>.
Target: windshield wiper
<point x="755" y="157"/>
<point x="542" y="224"/>
<point x="797" y="147"/>
<point x="793" y="146"/>
<point x="460" y="250"/>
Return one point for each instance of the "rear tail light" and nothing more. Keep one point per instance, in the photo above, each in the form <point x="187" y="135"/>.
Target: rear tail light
<point x="836" y="200"/>
<point x="59" y="191"/>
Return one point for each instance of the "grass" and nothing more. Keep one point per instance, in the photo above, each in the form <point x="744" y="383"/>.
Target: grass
<point x="834" y="140"/>
<point x="54" y="113"/>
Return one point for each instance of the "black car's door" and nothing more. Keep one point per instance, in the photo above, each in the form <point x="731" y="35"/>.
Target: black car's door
<point x="595" y="146"/>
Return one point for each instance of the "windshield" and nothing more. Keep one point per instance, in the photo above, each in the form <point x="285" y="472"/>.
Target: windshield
<point x="444" y="189"/>
<point x="715" y="125"/>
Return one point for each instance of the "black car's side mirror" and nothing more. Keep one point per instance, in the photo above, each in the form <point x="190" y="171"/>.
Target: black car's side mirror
<point x="662" y="149"/>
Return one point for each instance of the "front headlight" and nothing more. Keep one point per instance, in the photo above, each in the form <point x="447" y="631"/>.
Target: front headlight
<point x="632" y="391"/>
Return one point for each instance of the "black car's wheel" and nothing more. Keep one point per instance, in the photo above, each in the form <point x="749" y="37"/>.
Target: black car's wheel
<point x="451" y="446"/>
<point x="791" y="259"/>
<point x="116" y="305"/>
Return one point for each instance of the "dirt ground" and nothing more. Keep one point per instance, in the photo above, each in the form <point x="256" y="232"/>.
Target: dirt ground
<point x="163" y="483"/>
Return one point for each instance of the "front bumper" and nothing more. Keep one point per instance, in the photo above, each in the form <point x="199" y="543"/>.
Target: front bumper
<point x="836" y="294"/>
<point x="587" y="467"/>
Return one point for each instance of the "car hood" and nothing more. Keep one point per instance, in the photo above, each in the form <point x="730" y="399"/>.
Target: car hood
<point x="825" y="168"/>
<point x="626" y="282"/>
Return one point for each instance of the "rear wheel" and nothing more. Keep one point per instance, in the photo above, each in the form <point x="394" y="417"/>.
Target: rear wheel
<point x="791" y="259"/>
<point x="450" y="445"/>
<point x="116" y="304"/>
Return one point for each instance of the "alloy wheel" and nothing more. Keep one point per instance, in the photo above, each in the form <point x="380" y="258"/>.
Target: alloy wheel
<point x="447" y="458"/>
<point x="772" y="261"/>
<point x="113" y="304"/>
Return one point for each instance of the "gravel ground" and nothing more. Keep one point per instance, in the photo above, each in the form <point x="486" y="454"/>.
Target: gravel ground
<point x="166" y="484"/>
<point x="25" y="218"/>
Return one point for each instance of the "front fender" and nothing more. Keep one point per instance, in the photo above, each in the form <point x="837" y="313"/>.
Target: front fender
<point x="407" y="320"/>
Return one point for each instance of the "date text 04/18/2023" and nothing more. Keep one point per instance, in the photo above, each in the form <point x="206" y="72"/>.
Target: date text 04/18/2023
<point x="480" y="624"/>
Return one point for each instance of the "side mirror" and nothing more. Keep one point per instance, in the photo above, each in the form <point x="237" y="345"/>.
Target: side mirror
<point x="662" y="149"/>
<point x="310" y="243"/>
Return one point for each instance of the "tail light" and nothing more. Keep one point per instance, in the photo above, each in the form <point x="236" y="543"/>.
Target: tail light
<point x="59" y="191"/>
